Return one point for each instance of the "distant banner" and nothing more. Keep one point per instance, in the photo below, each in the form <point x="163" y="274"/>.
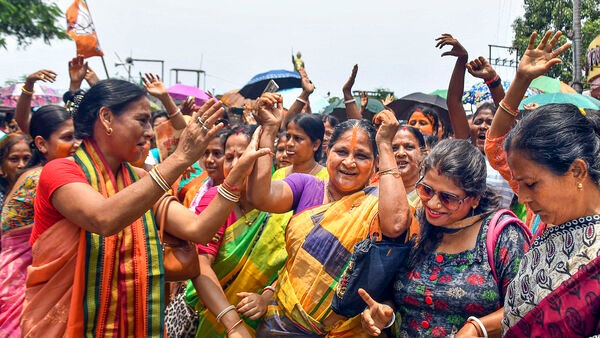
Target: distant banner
<point x="80" y="28"/>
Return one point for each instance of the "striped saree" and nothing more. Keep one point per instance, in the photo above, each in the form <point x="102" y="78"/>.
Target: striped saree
<point x="83" y="284"/>
<point x="248" y="260"/>
<point x="319" y="244"/>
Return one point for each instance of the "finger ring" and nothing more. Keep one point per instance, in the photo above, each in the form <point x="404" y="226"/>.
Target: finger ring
<point x="202" y="124"/>
<point x="42" y="76"/>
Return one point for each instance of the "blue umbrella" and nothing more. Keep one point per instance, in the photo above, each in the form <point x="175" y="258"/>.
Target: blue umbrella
<point x="480" y="92"/>
<point x="284" y="78"/>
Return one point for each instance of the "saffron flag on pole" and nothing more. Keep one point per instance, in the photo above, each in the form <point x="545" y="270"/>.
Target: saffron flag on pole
<point x="80" y="28"/>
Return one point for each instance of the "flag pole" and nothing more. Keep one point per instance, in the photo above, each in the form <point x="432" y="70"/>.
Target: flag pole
<point x="105" y="69"/>
<point x="92" y="22"/>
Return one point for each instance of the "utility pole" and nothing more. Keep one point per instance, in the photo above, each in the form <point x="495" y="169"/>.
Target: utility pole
<point x="577" y="46"/>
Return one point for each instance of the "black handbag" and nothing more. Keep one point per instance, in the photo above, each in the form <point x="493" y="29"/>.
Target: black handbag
<point x="372" y="267"/>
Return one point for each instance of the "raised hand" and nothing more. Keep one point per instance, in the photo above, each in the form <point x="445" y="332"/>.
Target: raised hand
<point x="388" y="126"/>
<point x="481" y="68"/>
<point x="44" y="75"/>
<point x="200" y="131"/>
<point x="347" y="88"/>
<point x="538" y="60"/>
<point x="77" y="71"/>
<point x="248" y="115"/>
<point x="269" y="110"/>
<point x="307" y="84"/>
<point x="376" y="316"/>
<point x="154" y="85"/>
<point x="188" y="106"/>
<point x="447" y="40"/>
<point x="364" y="99"/>
<point x="388" y="99"/>
<point x="90" y="76"/>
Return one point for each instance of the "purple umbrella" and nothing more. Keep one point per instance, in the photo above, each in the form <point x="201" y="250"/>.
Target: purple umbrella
<point x="181" y="92"/>
<point x="42" y="95"/>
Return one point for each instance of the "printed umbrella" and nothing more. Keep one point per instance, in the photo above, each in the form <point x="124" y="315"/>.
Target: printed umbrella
<point x="338" y="108"/>
<point x="402" y="106"/>
<point x="42" y="95"/>
<point x="181" y="92"/>
<point x="284" y="78"/>
<point x="317" y="102"/>
<point x="581" y="101"/>
<point x="549" y="85"/>
<point x="480" y="92"/>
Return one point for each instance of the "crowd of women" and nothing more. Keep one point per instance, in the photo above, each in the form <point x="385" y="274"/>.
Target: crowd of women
<point x="276" y="207"/>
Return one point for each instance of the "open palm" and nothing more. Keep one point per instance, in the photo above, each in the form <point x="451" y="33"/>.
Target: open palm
<point x="537" y="61"/>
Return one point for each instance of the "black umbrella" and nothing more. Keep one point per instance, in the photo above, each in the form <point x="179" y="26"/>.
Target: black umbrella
<point x="402" y="107"/>
<point x="284" y="79"/>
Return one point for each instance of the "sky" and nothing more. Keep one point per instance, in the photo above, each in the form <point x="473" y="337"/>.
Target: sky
<point x="393" y="42"/>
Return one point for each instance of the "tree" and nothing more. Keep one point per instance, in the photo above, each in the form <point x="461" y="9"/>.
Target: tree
<point x="542" y="15"/>
<point x="27" y="20"/>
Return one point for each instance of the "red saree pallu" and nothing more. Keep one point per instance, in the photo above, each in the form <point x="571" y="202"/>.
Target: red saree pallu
<point x="83" y="284"/>
<point x="556" y="292"/>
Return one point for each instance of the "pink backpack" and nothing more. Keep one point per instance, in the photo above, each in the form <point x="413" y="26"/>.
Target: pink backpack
<point x="495" y="229"/>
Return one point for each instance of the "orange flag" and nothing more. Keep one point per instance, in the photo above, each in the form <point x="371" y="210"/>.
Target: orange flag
<point x="81" y="29"/>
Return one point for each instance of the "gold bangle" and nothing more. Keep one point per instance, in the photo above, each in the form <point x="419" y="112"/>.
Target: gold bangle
<point x="25" y="91"/>
<point x="227" y="194"/>
<point x="233" y="327"/>
<point x="178" y="111"/>
<point x="507" y="109"/>
<point x="383" y="172"/>
<point x="157" y="177"/>
<point x="395" y="173"/>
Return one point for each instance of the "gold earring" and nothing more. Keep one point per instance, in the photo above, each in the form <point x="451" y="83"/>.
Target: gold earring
<point x="109" y="131"/>
<point x="579" y="186"/>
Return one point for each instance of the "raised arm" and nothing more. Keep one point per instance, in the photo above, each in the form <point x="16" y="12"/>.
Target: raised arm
<point x="265" y="194"/>
<point x="156" y="88"/>
<point x="535" y="62"/>
<point x="108" y="216"/>
<point x="23" y="109"/>
<point x="481" y="68"/>
<point x="185" y="224"/>
<point x="307" y="88"/>
<point x="456" y="87"/>
<point x="394" y="211"/>
<point x="351" y="108"/>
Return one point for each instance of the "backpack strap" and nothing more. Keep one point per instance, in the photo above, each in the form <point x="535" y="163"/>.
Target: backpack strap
<point x="495" y="228"/>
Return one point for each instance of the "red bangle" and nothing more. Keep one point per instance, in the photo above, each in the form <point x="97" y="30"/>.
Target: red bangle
<point x="229" y="187"/>
<point x="489" y="82"/>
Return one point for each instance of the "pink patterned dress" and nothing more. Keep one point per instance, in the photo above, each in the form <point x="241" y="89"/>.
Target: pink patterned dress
<point x="15" y="257"/>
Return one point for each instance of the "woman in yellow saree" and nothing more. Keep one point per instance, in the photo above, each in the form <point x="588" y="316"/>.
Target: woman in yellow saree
<point x="331" y="216"/>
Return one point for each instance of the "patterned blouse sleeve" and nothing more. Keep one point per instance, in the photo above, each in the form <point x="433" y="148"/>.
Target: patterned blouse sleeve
<point x="510" y="249"/>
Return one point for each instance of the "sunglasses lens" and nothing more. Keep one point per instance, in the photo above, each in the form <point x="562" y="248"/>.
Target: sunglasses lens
<point x="449" y="201"/>
<point x="424" y="192"/>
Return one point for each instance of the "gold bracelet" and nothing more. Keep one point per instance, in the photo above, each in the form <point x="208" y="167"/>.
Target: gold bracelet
<point x="507" y="109"/>
<point x="25" y="91"/>
<point x="156" y="177"/>
<point x="395" y="173"/>
<point x="383" y="172"/>
<point x="178" y="111"/>
<point x="233" y="327"/>
<point x="227" y="194"/>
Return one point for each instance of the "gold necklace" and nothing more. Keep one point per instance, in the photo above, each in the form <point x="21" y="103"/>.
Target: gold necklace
<point x="329" y="194"/>
<point x="246" y="220"/>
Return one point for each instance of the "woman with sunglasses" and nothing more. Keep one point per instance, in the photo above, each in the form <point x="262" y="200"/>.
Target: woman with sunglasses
<point x="448" y="284"/>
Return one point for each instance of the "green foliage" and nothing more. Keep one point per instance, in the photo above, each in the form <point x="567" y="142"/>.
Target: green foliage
<point x="382" y="93"/>
<point x="542" y="15"/>
<point x="26" y="20"/>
